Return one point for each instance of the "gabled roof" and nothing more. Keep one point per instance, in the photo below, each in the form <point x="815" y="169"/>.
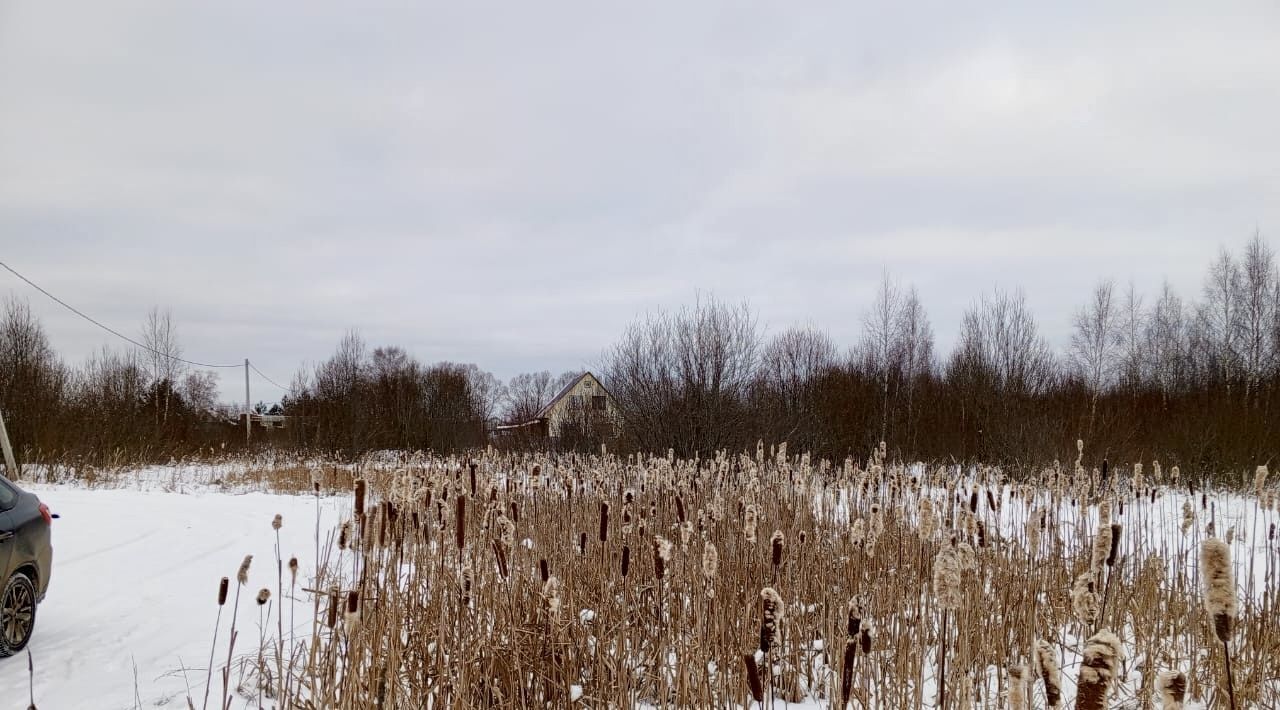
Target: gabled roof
<point x="546" y="410"/>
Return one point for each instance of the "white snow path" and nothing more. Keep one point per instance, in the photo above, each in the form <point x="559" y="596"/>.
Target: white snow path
<point x="135" y="580"/>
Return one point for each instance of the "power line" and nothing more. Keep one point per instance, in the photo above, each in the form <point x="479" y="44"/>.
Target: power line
<point x="268" y="379"/>
<point x="110" y="330"/>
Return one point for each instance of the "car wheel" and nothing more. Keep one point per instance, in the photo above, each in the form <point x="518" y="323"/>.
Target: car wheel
<point x="17" y="614"/>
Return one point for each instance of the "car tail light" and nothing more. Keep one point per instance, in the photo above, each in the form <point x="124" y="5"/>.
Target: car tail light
<point x="44" y="513"/>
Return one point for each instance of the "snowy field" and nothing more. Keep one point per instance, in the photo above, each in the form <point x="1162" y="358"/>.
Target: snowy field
<point x="133" y="594"/>
<point x="130" y="612"/>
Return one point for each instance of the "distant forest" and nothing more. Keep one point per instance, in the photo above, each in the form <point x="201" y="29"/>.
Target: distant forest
<point x="1191" y="381"/>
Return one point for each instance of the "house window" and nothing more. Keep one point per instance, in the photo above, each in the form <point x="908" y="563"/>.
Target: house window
<point x="598" y="403"/>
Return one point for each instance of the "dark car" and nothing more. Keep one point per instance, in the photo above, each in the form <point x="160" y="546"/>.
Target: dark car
<point x="25" y="558"/>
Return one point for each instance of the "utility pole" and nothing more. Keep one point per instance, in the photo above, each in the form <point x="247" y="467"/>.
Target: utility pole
<point x="248" y="413"/>
<point x="11" y="467"/>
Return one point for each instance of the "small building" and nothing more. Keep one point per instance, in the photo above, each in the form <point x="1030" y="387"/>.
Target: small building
<point x="582" y="407"/>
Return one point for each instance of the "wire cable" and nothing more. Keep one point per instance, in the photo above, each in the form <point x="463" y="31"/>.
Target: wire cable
<point x="113" y="331"/>
<point x="268" y="379"/>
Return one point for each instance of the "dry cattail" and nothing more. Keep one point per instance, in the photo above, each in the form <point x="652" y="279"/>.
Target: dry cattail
<point x="661" y="556"/>
<point x="582" y="543"/>
<point x="1018" y="687"/>
<point x="263" y="595"/>
<point x="680" y="510"/>
<point x="334" y="603"/>
<point x="1259" y="480"/>
<point x="293" y="570"/>
<point x="544" y="570"/>
<point x="460" y="523"/>
<point x="776" y="544"/>
<point x="772" y="610"/>
<point x="753" y="677"/>
<point x="626" y="560"/>
<point x="276" y="522"/>
<point x="242" y="576"/>
<point x="1084" y="602"/>
<point x="1049" y="672"/>
<point x="927" y="518"/>
<point x="222" y="591"/>
<point x="1172" y="687"/>
<point x="352" y="617"/>
<point x="1102" y="655"/>
<point x="1219" y="586"/>
<point x="1102" y="541"/>
<point x="1115" y="544"/>
<point x="604" y="522"/>
<point x="360" y="490"/>
<point x="343" y="532"/>
<point x="1188" y="515"/>
<point x="710" y="560"/>
<point x="946" y="579"/>
<point x="749" y="523"/>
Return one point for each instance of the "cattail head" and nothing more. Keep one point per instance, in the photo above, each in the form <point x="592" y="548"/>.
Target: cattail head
<point x="928" y="519"/>
<point x="263" y="595"/>
<point x="242" y="576"/>
<point x="276" y="522"/>
<point x="776" y="544"/>
<point x="1102" y="541"/>
<point x="352" y="617"/>
<point x="1046" y="663"/>
<point x="222" y="591"/>
<point x="772" y="610"/>
<point x="1188" y="515"/>
<point x="710" y="560"/>
<point x="604" y="522"/>
<point x="1102" y="654"/>
<point x="1219" y="586"/>
<point x="749" y="521"/>
<point x="1018" y="690"/>
<point x="1259" y="479"/>
<point x="460" y="522"/>
<point x="1115" y="544"/>
<point x="946" y="578"/>
<point x="1172" y="687"/>
<point x="1084" y="602"/>
<point x="626" y="560"/>
<point x="661" y="556"/>
<point x="293" y="570"/>
<point x="360" y="489"/>
<point x="551" y="597"/>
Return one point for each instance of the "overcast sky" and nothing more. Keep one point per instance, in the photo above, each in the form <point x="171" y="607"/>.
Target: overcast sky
<point x="511" y="183"/>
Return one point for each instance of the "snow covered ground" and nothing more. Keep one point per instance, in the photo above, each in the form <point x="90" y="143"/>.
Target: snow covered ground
<point x="133" y="593"/>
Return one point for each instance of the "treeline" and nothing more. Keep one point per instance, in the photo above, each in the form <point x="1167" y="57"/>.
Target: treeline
<point x="1188" y="381"/>
<point x="117" y="405"/>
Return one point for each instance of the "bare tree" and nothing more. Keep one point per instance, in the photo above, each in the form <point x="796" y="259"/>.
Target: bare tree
<point x="200" y="390"/>
<point x="526" y="395"/>
<point x="160" y="335"/>
<point x="896" y="348"/>
<point x="1168" y="348"/>
<point x="683" y="380"/>
<point x="1255" y="316"/>
<point x="1132" y="350"/>
<point x="1219" y="318"/>
<point x="1000" y="336"/>
<point x="789" y="367"/>
<point x="1095" y="341"/>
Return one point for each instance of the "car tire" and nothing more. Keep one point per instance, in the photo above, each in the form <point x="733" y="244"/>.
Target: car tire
<point x="17" y="614"/>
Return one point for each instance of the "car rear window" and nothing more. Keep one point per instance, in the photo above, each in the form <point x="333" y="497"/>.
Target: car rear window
<point x="8" y="496"/>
